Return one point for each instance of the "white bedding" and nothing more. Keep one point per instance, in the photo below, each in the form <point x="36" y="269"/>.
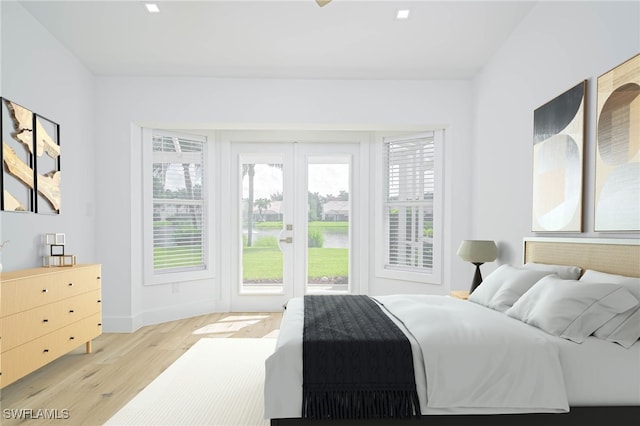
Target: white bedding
<point x="467" y="359"/>
<point x="480" y="360"/>
<point x="597" y="372"/>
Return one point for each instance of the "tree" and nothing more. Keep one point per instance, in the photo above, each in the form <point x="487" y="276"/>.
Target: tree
<point x="262" y="204"/>
<point x="315" y="206"/>
<point x="276" y="196"/>
<point x="250" y="171"/>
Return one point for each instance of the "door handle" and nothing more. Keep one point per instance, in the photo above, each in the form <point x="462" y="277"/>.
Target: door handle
<point x="287" y="240"/>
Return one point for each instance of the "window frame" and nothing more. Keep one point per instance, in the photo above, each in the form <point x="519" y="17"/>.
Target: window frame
<point x="158" y="277"/>
<point x="400" y="273"/>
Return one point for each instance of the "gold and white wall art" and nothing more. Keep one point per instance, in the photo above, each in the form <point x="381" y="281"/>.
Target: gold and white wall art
<point x="617" y="181"/>
<point x="30" y="158"/>
<point x="17" y="157"/>
<point x="558" y="152"/>
<point x="47" y="152"/>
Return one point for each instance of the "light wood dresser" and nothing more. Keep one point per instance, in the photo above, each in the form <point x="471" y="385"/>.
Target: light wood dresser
<point x="45" y="313"/>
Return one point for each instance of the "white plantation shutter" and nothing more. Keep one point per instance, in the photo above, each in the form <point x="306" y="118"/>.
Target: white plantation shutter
<point x="409" y="193"/>
<point x="179" y="208"/>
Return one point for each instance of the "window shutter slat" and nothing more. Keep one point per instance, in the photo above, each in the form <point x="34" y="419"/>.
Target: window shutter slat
<point x="409" y="192"/>
<point x="179" y="225"/>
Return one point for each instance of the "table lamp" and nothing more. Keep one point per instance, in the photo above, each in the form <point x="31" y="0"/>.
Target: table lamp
<point x="477" y="252"/>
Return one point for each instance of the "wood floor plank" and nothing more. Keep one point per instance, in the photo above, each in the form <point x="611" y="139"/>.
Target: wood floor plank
<point x="93" y="387"/>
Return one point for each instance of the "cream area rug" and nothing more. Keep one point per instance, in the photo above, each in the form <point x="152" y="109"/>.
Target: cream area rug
<point x="216" y="382"/>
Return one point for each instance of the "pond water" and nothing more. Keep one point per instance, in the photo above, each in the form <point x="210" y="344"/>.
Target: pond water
<point x="331" y="239"/>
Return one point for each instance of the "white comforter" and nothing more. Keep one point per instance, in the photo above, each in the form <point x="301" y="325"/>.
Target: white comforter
<point x="467" y="359"/>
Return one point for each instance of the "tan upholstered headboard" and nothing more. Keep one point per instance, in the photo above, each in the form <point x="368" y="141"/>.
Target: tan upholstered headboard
<point x="615" y="256"/>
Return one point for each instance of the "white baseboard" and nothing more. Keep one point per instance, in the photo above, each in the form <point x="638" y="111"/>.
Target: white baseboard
<point x="120" y="324"/>
<point x="112" y="324"/>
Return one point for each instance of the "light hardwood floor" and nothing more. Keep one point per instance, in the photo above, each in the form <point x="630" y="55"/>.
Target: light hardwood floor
<point x="93" y="387"/>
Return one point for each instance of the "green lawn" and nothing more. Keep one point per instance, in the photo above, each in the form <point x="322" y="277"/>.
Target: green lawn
<point x="176" y="257"/>
<point x="261" y="263"/>
<point x="328" y="262"/>
<point x="266" y="263"/>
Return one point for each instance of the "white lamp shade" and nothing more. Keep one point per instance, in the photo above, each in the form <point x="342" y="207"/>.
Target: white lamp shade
<point x="478" y="251"/>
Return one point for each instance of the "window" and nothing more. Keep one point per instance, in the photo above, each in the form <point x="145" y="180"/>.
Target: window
<point x="176" y="218"/>
<point x="411" y="200"/>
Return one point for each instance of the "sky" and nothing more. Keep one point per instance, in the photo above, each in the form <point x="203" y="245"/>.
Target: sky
<point x="323" y="178"/>
<point x="326" y="179"/>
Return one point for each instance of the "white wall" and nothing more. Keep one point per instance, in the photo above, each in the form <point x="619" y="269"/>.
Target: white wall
<point x="557" y="45"/>
<point x="192" y="103"/>
<point x="41" y="75"/>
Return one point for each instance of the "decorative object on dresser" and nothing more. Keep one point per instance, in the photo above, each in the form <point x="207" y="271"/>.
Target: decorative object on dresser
<point x="617" y="187"/>
<point x="56" y="255"/>
<point x="477" y="252"/>
<point x="1" y="247"/>
<point x="45" y="313"/>
<point x="558" y="151"/>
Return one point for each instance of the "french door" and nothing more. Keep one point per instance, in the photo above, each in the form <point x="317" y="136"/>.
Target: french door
<point x="293" y="209"/>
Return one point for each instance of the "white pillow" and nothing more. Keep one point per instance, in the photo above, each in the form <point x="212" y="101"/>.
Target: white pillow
<point x="624" y="328"/>
<point x="514" y="287"/>
<point x="501" y="288"/>
<point x="563" y="271"/>
<point x="570" y="309"/>
<point x="491" y="284"/>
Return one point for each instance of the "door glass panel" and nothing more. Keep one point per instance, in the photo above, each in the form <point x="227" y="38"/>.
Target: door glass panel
<point x="262" y="214"/>
<point x="328" y="224"/>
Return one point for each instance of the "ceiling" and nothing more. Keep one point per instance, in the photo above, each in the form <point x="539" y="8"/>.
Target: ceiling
<point x="346" y="39"/>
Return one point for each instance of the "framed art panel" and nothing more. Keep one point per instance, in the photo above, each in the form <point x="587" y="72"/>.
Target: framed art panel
<point x="17" y="157"/>
<point x="617" y="187"/>
<point x="47" y="166"/>
<point x="558" y="152"/>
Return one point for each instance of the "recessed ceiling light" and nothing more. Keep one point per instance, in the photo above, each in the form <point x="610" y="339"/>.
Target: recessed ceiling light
<point x="152" y="7"/>
<point x="402" y="14"/>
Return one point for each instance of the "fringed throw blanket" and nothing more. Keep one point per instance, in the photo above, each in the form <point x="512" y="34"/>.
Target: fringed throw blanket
<point x="357" y="364"/>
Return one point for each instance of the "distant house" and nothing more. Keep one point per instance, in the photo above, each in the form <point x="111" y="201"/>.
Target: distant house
<point x="335" y="211"/>
<point x="272" y="214"/>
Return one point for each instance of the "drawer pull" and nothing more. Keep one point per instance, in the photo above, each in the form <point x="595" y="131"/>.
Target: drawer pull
<point x="44" y="290"/>
<point x="99" y="301"/>
<point x="45" y="351"/>
<point x="71" y="338"/>
<point x="99" y="324"/>
<point x="71" y="311"/>
<point x="45" y="320"/>
<point x="70" y="284"/>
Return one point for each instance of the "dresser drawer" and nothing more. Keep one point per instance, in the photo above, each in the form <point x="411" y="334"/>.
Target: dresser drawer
<point x="80" y="332"/>
<point x="25" y="326"/>
<point x="26" y="358"/>
<point x="24" y="293"/>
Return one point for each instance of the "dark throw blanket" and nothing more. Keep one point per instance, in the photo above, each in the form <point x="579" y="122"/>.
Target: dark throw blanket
<point x="357" y="364"/>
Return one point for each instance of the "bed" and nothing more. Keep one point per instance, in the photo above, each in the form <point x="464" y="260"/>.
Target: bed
<point x="489" y="357"/>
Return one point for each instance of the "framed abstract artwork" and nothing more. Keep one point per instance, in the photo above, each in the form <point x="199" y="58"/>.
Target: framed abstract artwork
<point x="47" y="165"/>
<point x="617" y="186"/>
<point x="17" y="157"/>
<point x="30" y="158"/>
<point x="558" y="152"/>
